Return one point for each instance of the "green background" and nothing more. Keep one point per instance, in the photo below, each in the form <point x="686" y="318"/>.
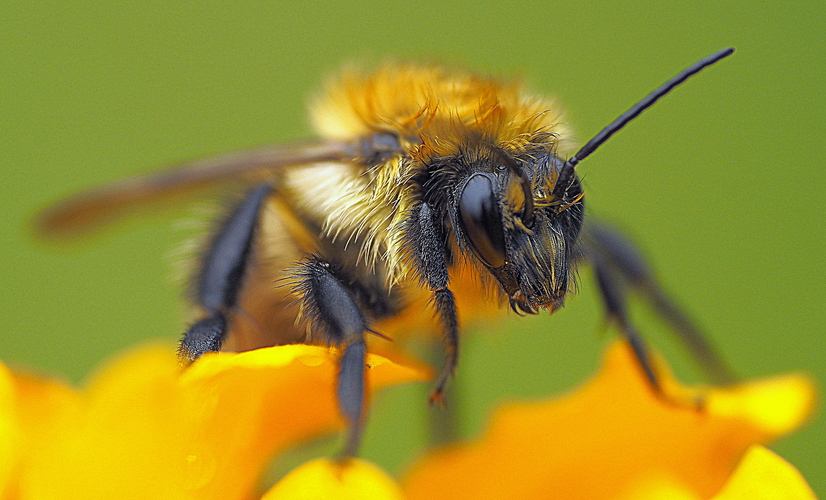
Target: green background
<point x="721" y="182"/>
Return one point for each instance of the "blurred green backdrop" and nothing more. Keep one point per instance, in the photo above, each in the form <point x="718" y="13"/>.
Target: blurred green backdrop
<point x="721" y="182"/>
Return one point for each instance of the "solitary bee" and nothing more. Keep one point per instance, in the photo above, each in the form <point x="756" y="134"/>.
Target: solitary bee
<point x="425" y="186"/>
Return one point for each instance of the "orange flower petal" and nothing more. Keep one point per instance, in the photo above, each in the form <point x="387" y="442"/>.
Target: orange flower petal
<point x="614" y="438"/>
<point x="264" y="401"/>
<point x="144" y="430"/>
<point x="762" y="475"/>
<point x="324" y="479"/>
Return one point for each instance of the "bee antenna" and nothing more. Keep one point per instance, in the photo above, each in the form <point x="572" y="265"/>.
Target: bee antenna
<point x="566" y="173"/>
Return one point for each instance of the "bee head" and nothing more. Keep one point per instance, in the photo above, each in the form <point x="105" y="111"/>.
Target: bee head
<point x="519" y="214"/>
<point x="521" y="226"/>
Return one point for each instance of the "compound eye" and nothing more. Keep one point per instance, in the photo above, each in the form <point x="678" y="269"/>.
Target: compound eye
<point x="482" y="221"/>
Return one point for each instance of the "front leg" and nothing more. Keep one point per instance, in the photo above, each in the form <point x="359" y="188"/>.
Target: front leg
<point x="426" y="241"/>
<point x="616" y="309"/>
<point x="328" y="304"/>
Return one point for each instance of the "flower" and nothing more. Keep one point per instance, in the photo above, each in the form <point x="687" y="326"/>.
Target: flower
<point x="615" y="438"/>
<point x="326" y="479"/>
<point x="760" y="475"/>
<point x="144" y="429"/>
<point x="141" y="429"/>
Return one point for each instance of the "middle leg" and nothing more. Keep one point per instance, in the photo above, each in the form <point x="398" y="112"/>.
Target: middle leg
<point x="328" y="303"/>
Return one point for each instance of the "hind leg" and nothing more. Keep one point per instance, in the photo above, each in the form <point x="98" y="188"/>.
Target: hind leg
<point x="221" y="275"/>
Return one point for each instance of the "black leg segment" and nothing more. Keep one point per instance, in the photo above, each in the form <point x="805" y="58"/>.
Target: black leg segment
<point x="328" y="304"/>
<point x="619" y="264"/>
<point x="204" y="336"/>
<point x="427" y="245"/>
<point x="351" y="392"/>
<point x="614" y="300"/>
<point x="219" y="281"/>
<point x="227" y="258"/>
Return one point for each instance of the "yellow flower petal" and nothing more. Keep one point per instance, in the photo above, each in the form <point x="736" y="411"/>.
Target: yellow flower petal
<point x="762" y="475"/>
<point x="121" y="438"/>
<point x="613" y="438"/>
<point x="143" y="430"/>
<point x="325" y="479"/>
<point x="9" y="434"/>
<point x="28" y="405"/>
<point x="775" y="406"/>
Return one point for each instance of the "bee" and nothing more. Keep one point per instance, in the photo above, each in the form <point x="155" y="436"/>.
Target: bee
<point x="426" y="187"/>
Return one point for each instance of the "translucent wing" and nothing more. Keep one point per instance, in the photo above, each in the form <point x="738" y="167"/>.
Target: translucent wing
<point x="87" y="210"/>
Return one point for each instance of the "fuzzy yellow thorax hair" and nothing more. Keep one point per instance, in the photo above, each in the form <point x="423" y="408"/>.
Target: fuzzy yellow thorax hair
<point x="434" y="112"/>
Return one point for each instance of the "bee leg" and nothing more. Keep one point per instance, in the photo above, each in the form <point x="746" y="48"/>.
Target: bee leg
<point x="206" y="335"/>
<point x="350" y="392"/>
<point x="446" y="310"/>
<point x="627" y="265"/>
<point x="428" y="243"/>
<point x="613" y="298"/>
<point x="221" y="275"/>
<point x="330" y="307"/>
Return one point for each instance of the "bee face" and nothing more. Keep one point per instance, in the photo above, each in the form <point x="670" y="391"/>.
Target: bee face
<point x="506" y="220"/>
